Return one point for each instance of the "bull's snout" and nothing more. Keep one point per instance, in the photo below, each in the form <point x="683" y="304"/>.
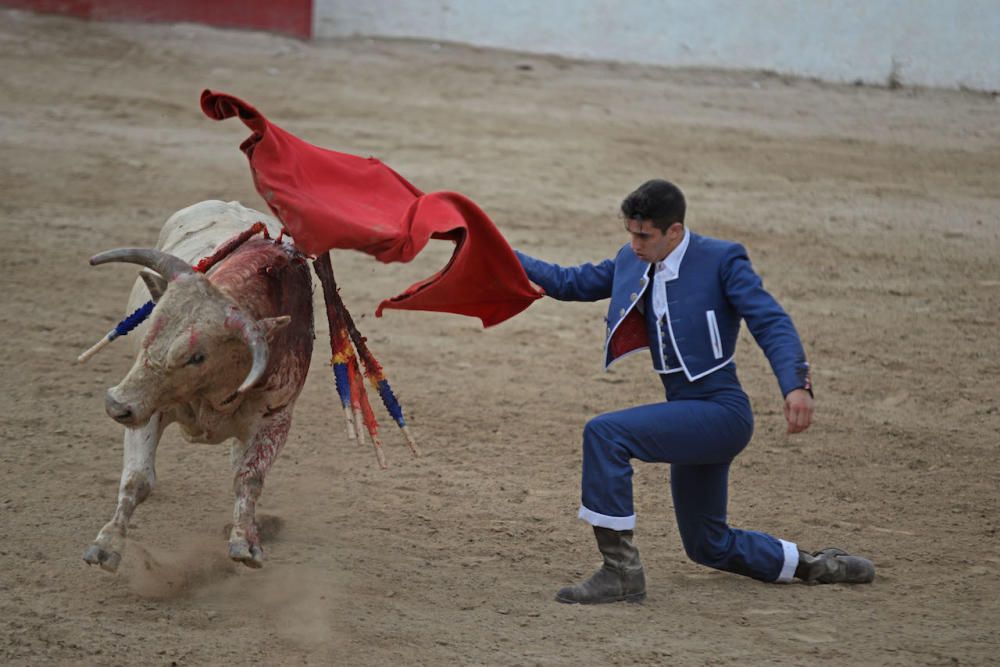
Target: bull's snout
<point x="120" y="412"/>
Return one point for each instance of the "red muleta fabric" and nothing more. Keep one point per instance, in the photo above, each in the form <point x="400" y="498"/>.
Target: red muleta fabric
<point x="327" y="199"/>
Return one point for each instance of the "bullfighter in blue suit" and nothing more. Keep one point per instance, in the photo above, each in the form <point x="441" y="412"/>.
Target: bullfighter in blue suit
<point x="683" y="296"/>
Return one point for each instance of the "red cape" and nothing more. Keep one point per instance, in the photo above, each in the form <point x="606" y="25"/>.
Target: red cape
<point x="327" y="199"/>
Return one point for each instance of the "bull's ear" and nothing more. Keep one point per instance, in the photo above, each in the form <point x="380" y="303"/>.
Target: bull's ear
<point x="155" y="283"/>
<point x="270" y="325"/>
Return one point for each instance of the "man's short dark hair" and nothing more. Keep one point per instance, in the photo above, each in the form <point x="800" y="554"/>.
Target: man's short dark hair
<point x="657" y="200"/>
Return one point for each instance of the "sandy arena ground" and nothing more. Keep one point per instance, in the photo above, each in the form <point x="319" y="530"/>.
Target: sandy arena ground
<point x="872" y="214"/>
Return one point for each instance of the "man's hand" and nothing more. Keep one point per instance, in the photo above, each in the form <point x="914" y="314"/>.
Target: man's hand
<point x="798" y="410"/>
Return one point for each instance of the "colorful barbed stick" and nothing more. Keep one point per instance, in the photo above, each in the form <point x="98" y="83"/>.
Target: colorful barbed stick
<point x="140" y="314"/>
<point x="341" y="320"/>
<point x="344" y="365"/>
<point x="375" y="373"/>
<point x="121" y="329"/>
<point x="342" y="352"/>
<point x="368" y="415"/>
<point x="342" y="382"/>
<point x="357" y="388"/>
<point x="376" y="376"/>
<point x="232" y="244"/>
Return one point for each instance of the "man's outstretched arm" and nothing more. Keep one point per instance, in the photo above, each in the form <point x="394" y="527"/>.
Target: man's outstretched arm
<point x="587" y="282"/>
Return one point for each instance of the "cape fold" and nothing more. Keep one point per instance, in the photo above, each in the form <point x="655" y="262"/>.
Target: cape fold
<point x="326" y="199"/>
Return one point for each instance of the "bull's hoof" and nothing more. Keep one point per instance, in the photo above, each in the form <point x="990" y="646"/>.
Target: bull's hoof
<point x="242" y="551"/>
<point x="108" y="560"/>
<point x="268" y="527"/>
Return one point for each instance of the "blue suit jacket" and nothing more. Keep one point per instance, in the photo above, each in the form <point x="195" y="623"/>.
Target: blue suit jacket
<point x="715" y="288"/>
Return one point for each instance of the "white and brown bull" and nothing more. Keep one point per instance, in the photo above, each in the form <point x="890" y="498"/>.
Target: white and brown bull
<point x="224" y="354"/>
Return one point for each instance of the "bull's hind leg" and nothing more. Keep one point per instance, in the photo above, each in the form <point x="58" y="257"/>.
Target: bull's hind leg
<point x="138" y="477"/>
<point x="250" y="465"/>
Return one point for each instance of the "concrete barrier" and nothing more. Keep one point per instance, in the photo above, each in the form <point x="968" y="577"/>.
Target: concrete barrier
<point x="945" y="43"/>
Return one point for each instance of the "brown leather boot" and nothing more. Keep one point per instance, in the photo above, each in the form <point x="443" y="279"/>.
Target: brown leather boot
<point x="620" y="578"/>
<point x="834" y="566"/>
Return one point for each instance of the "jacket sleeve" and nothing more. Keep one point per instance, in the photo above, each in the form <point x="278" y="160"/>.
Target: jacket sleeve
<point x="587" y="282"/>
<point x="768" y="322"/>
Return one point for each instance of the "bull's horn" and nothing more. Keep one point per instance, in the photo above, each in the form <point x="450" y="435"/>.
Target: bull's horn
<point x="167" y="265"/>
<point x="154" y="283"/>
<point x="257" y="343"/>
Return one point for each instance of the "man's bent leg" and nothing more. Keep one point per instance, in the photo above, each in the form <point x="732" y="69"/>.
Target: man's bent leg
<point x="659" y="432"/>
<point x="607" y="505"/>
<point x="682" y="432"/>
<point x="606" y="483"/>
<point x="700" y="494"/>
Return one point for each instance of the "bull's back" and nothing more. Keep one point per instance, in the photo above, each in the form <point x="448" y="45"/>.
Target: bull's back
<point x="195" y="232"/>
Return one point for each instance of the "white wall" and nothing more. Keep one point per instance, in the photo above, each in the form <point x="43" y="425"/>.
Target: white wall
<point x="947" y="43"/>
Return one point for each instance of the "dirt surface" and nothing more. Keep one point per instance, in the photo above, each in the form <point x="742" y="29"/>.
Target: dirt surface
<point x="872" y="214"/>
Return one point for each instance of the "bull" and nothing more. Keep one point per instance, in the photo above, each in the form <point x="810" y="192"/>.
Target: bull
<point x="223" y="354"/>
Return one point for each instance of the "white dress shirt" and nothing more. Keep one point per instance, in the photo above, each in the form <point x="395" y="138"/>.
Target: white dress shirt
<point x="667" y="269"/>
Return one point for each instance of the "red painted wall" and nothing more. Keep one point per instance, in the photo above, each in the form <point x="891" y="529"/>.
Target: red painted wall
<point x="290" y="17"/>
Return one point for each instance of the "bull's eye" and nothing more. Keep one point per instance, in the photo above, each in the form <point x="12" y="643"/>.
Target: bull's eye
<point x="195" y="359"/>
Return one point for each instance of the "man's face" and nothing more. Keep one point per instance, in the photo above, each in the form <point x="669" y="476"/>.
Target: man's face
<point x="649" y="243"/>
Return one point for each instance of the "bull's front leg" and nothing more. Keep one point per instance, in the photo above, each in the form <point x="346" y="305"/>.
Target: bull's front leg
<point x="250" y="464"/>
<point x="138" y="477"/>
